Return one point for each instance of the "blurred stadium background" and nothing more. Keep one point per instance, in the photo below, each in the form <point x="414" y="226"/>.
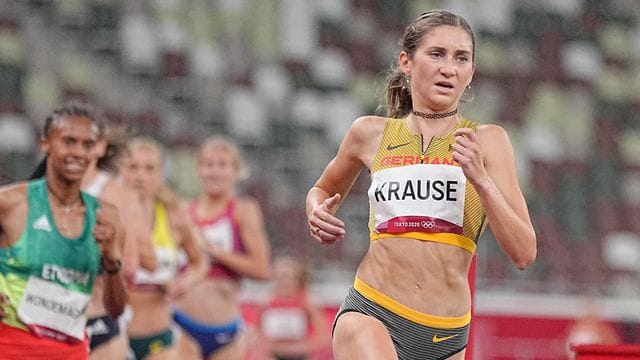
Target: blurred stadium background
<point x="285" y="78"/>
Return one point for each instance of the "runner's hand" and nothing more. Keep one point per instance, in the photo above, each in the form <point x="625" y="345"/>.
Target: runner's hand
<point x="212" y="250"/>
<point x="467" y="152"/>
<point x="108" y="233"/>
<point x="323" y="225"/>
<point x="181" y="284"/>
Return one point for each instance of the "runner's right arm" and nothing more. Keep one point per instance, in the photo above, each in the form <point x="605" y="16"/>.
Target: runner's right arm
<point x="109" y="235"/>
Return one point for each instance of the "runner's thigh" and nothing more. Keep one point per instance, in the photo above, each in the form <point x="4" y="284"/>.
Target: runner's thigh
<point x="359" y="336"/>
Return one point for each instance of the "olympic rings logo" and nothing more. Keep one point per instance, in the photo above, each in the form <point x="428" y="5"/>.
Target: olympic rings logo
<point x="426" y="224"/>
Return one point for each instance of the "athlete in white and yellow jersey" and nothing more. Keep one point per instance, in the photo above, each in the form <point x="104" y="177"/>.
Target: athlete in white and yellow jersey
<point x="151" y="293"/>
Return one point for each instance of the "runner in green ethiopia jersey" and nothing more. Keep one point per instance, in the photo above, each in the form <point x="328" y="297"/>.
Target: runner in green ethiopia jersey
<point x="54" y="240"/>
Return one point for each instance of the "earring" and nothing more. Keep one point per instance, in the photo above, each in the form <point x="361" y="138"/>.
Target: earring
<point x="467" y="95"/>
<point x="407" y="81"/>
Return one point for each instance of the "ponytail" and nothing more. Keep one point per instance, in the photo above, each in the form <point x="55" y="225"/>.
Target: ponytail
<point x="117" y="138"/>
<point x="398" y="93"/>
<point x="40" y="171"/>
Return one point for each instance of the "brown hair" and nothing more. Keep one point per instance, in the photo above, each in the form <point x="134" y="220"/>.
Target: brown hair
<point x="398" y="92"/>
<point x="117" y="138"/>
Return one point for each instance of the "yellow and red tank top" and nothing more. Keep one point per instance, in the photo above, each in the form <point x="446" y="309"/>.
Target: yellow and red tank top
<point x="418" y="191"/>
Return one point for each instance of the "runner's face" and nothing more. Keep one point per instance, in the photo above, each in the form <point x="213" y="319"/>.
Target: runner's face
<point x="286" y="275"/>
<point x="70" y="146"/>
<point x="142" y="170"/>
<point x="217" y="170"/>
<point x="441" y="68"/>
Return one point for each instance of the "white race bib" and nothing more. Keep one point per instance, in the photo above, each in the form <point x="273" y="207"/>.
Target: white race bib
<point x="220" y="234"/>
<point x="421" y="197"/>
<point x="284" y="323"/>
<point x="46" y="305"/>
<point x="167" y="260"/>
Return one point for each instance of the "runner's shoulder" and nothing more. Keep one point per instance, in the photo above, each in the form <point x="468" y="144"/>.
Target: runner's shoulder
<point x="12" y="195"/>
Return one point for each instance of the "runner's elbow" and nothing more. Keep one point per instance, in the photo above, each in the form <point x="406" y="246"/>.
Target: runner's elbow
<point x="526" y="259"/>
<point x="262" y="273"/>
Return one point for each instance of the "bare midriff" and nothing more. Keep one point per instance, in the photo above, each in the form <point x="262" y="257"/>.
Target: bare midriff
<point x="212" y="301"/>
<point x="151" y="313"/>
<point x="425" y="276"/>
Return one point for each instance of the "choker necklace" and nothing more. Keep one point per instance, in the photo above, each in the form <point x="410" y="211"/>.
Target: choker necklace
<point x="435" y="115"/>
